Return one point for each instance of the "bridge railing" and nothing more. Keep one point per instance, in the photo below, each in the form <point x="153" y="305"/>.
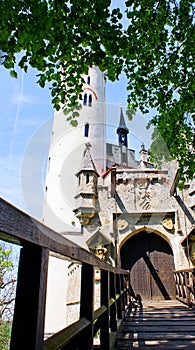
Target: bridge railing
<point x="185" y="286"/>
<point x="37" y="242"/>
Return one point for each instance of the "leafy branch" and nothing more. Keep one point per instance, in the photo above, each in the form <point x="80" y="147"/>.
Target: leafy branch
<point x="152" y="42"/>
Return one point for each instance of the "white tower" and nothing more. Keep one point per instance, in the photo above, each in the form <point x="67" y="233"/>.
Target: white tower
<point x="66" y="150"/>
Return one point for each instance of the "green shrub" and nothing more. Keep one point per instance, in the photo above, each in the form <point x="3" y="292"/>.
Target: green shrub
<point x="5" y="334"/>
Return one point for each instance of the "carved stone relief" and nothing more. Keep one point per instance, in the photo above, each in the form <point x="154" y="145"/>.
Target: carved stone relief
<point x="143" y="196"/>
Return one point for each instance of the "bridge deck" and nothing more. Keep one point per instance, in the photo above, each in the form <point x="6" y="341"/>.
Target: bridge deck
<point x="157" y="325"/>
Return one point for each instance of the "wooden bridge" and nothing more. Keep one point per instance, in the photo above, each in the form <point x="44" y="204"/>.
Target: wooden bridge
<point x="161" y="324"/>
<point x="120" y="323"/>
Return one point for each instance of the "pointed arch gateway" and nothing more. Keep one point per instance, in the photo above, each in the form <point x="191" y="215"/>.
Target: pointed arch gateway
<point x="149" y="258"/>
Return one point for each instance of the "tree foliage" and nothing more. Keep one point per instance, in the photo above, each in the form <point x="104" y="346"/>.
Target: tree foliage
<point x="5" y="335"/>
<point x="152" y="42"/>
<point x="7" y="283"/>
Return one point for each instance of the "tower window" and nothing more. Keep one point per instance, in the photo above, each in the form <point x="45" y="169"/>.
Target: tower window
<point x="109" y="149"/>
<point x="85" y="100"/>
<point x="86" y="132"/>
<point x="87" y="178"/>
<point x="90" y="101"/>
<point x="88" y="80"/>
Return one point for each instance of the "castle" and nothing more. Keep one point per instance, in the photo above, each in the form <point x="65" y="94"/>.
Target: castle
<point x="125" y="210"/>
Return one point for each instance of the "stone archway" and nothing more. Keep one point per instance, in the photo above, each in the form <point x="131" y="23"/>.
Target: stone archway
<point x="150" y="259"/>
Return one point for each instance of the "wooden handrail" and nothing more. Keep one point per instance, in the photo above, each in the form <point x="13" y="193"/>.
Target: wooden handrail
<point x="185" y="286"/>
<point x="37" y="242"/>
<point x="18" y="227"/>
<point x="67" y="335"/>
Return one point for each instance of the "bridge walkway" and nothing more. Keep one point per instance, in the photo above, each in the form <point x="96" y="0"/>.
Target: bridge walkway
<point x="157" y="325"/>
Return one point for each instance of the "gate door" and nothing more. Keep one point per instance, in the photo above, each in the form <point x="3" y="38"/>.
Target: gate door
<point x="150" y="260"/>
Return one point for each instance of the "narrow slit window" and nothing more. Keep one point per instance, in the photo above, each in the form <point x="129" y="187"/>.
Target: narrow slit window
<point x="85" y="100"/>
<point x="87" y="178"/>
<point x="88" y="80"/>
<point x="86" y="133"/>
<point x="90" y="101"/>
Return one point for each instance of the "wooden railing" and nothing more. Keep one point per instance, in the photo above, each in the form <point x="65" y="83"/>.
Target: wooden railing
<point x="37" y="242"/>
<point x="185" y="286"/>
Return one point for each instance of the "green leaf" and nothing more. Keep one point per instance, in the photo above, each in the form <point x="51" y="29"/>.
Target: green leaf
<point x="74" y="123"/>
<point x="13" y="74"/>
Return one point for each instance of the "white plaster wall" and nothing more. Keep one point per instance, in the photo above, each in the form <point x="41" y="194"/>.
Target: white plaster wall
<point x="55" y="318"/>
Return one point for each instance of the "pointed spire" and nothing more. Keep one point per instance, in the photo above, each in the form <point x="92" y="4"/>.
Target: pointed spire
<point x="87" y="163"/>
<point x="122" y="130"/>
<point x="122" y="125"/>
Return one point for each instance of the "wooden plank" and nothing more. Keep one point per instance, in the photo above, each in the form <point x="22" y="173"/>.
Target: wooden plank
<point x="155" y="328"/>
<point x="156" y="336"/>
<point x="160" y="322"/>
<point x="160" y="344"/>
<point x="166" y="325"/>
<point x="28" y="321"/>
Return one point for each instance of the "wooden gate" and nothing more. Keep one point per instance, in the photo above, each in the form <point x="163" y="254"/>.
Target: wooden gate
<point x="150" y="260"/>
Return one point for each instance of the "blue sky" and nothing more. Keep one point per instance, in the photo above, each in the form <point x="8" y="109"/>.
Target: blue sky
<point x="26" y="114"/>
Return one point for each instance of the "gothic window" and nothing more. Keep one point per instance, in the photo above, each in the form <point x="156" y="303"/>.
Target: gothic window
<point x="90" y="101"/>
<point x="85" y="100"/>
<point x="88" y="80"/>
<point x="86" y="132"/>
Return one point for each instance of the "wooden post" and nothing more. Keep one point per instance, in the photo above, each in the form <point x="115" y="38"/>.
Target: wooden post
<point x="87" y="304"/>
<point x="122" y="289"/>
<point x="186" y="284"/>
<point x="104" y="331"/>
<point x="113" y="323"/>
<point x="29" y="313"/>
<point x="119" y="301"/>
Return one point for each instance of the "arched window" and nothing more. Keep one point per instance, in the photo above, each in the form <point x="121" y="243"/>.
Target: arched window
<point x="88" y="80"/>
<point x="90" y="101"/>
<point x="86" y="132"/>
<point x="85" y="100"/>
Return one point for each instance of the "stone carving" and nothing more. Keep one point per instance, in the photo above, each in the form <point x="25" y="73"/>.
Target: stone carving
<point x="122" y="224"/>
<point x="143" y="198"/>
<point x="168" y="223"/>
<point x="100" y="252"/>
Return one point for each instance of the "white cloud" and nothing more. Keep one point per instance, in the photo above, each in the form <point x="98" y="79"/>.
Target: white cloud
<point x="21" y="98"/>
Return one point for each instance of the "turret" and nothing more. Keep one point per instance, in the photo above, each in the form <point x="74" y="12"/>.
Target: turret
<point x="143" y="154"/>
<point x="86" y="188"/>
